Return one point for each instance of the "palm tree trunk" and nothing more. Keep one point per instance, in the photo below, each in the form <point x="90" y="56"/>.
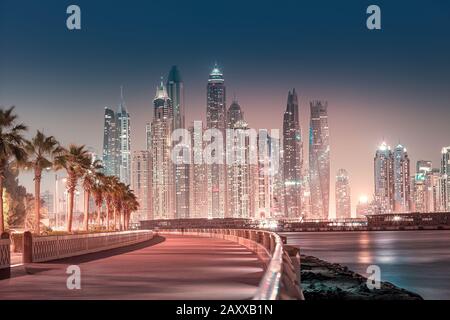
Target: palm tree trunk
<point x="115" y="218"/>
<point x="70" y="211"/>
<point x="37" y="200"/>
<point x="99" y="213"/>
<point x="108" y="214"/>
<point x="2" y="218"/>
<point x="87" y="195"/>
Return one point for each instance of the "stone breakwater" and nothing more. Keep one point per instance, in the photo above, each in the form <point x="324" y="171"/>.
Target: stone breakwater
<point x="322" y="280"/>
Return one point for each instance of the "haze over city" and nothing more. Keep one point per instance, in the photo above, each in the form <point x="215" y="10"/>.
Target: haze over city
<point x="393" y="88"/>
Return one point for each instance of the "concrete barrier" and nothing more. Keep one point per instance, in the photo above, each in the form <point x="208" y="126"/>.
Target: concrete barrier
<point x="47" y="248"/>
<point x="5" y="255"/>
<point x="281" y="279"/>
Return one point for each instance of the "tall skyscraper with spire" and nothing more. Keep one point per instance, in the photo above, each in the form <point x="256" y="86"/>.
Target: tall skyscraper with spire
<point x="319" y="160"/>
<point x="163" y="190"/>
<point x="124" y="132"/>
<point x="216" y="119"/>
<point x="292" y="157"/>
<point x="111" y="154"/>
<point x="175" y="90"/>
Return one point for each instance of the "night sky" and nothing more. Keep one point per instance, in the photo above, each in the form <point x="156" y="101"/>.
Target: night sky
<point x="392" y="84"/>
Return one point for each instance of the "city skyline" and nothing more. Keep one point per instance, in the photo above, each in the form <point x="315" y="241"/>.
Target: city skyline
<point x="332" y="180"/>
<point x="397" y="94"/>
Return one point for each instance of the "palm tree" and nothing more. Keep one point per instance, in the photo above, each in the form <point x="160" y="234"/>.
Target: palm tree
<point x="118" y="201"/>
<point x="11" y="148"/>
<point x="110" y="183"/>
<point x="98" y="191"/>
<point x="75" y="160"/>
<point x="89" y="177"/>
<point x="131" y="204"/>
<point x="41" y="151"/>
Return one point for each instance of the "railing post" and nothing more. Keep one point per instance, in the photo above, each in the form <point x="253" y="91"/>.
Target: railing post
<point x="27" y="255"/>
<point x="5" y="257"/>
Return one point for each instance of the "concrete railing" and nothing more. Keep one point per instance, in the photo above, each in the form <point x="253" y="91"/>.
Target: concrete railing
<point x="5" y="255"/>
<point x="281" y="279"/>
<point x="47" y="248"/>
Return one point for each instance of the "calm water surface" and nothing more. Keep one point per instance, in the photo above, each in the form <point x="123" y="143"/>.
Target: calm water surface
<point x="415" y="260"/>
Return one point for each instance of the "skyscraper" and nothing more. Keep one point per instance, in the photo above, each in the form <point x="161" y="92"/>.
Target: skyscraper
<point x="141" y="184"/>
<point x="319" y="160"/>
<point x="343" y="202"/>
<point x="198" y="176"/>
<point x="163" y="190"/>
<point x="111" y="150"/>
<point x="384" y="179"/>
<point x="238" y="172"/>
<point x="216" y="119"/>
<point x="123" y="122"/>
<point x="402" y="191"/>
<point x="175" y="90"/>
<point x="445" y="179"/>
<point x="293" y="157"/>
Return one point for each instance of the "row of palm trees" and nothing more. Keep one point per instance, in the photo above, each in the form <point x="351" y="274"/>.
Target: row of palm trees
<point x="44" y="152"/>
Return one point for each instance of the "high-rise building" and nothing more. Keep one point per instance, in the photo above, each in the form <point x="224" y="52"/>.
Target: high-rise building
<point x="198" y="175"/>
<point x="175" y="90"/>
<point x="402" y="192"/>
<point x="238" y="172"/>
<point x="362" y="208"/>
<point x="111" y="150"/>
<point x="293" y="157"/>
<point x="319" y="160"/>
<point x="384" y="179"/>
<point x="424" y="188"/>
<point x="343" y="202"/>
<point x="163" y="190"/>
<point x="141" y="184"/>
<point x="124" y="133"/>
<point x="216" y="119"/>
<point x="445" y="179"/>
<point x="265" y="176"/>
<point x="435" y="191"/>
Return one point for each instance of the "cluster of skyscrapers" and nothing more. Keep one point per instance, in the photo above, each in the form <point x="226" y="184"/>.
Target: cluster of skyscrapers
<point x="276" y="185"/>
<point x="399" y="189"/>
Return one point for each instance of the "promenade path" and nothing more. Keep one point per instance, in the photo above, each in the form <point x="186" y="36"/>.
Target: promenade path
<point x="169" y="267"/>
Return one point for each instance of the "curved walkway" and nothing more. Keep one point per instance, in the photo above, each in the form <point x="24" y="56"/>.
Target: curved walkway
<point x="181" y="267"/>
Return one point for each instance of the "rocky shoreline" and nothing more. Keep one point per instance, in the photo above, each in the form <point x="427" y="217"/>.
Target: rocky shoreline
<point x="322" y="280"/>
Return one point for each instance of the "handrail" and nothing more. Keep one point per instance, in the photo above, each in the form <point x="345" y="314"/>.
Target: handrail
<point x="275" y="283"/>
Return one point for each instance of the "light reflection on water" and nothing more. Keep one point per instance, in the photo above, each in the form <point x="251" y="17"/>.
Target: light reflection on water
<point x="415" y="260"/>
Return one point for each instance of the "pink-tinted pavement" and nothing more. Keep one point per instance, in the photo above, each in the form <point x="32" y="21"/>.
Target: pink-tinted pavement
<point x="179" y="267"/>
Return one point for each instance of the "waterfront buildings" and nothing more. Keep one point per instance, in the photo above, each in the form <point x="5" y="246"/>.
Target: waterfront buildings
<point x="401" y="168"/>
<point x="384" y="179"/>
<point x="141" y="183"/>
<point x="124" y="136"/>
<point x="175" y="91"/>
<point x="292" y="157"/>
<point x="111" y="150"/>
<point x="319" y="160"/>
<point x="445" y="179"/>
<point x="163" y="190"/>
<point x="216" y="118"/>
<point x="198" y="174"/>
<point x="343" y="199"/>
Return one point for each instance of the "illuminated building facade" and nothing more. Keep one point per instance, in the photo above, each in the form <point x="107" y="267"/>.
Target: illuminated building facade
<point x="343" y="199"/>
<point x="384" y="179"/>
<point x="319" y="160"/>
<point x="141" y="183"/>
<point x="292" y="157"/>
<point x="402" y="191"/>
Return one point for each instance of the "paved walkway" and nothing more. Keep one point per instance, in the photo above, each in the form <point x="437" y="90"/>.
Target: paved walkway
<point x="181" y="267"/>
